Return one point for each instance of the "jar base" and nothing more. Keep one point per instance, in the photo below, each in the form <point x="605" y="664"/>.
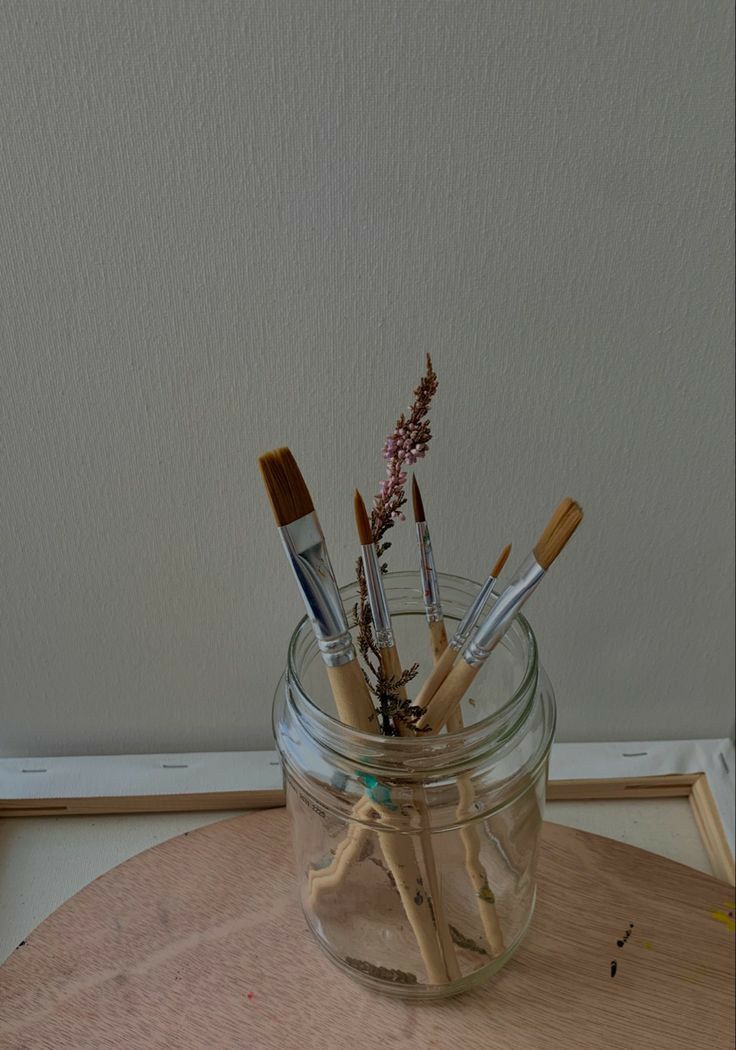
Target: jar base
<point x="425" y="992"/>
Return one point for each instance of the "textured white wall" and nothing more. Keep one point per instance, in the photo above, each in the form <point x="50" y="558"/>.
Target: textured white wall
<point x="225" y="226"/>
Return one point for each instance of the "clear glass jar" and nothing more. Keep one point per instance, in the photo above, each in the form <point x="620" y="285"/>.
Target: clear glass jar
<point x="416" y="855"/>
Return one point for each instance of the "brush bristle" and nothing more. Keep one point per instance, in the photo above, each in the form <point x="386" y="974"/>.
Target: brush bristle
<point x="502" y="559"/>
<point x="285" y="486"/>
<point x="558" y="531"/>
<point x="362" y="521"/>
<point x="416" y="501"/>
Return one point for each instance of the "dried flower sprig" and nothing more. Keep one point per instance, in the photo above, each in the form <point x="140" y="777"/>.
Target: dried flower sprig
<point x="406" y="444"/>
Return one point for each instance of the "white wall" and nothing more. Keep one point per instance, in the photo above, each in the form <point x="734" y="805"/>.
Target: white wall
<point x="226" y="226"/>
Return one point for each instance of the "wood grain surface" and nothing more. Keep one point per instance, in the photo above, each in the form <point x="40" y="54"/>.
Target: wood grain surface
<point x="200" y="942"/>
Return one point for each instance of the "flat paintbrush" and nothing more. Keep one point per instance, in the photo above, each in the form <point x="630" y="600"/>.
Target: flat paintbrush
<point x="306" y="550"/>
<point x="558" y="531"/>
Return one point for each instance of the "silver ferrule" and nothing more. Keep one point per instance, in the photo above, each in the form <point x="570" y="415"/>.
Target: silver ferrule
<point x="377" y="598"/>
<point x="498" y="621"/>
<point x="472" y="616"/>
<point x="307" y="551"/>
<point x="430" y="584"/>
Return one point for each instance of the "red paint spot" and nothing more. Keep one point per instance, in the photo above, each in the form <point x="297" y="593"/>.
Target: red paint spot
<point x="250" y="995"/>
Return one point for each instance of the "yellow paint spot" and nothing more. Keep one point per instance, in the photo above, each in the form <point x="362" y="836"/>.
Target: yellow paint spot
<point x="725" y="918"/>
<point x="648" y="945"/>
<point x="729" y="905"/>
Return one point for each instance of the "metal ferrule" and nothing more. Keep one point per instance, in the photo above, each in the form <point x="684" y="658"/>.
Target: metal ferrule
<point x="430" y="585"/>
<point x="377" y="598"/>
<point x="472" y="616"/>
<point x="307" y="551"/>
<point x="494" y="627"/>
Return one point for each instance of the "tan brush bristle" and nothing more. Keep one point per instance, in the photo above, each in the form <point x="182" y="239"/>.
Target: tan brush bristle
<point x="557" y="532"/>
<point x="362" y="521"/>
<point x="416" y="501"/>
<point x="285" y="486"/>
<point x="558" y="515"/>
<point x="502" y="559"/>
<point x="560" y="511"/>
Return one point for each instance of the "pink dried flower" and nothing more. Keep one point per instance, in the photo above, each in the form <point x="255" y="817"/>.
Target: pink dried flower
<point x="403" y="447"/>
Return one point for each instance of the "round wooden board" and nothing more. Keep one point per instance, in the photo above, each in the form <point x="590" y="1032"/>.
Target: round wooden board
<point x="200" y="942"/>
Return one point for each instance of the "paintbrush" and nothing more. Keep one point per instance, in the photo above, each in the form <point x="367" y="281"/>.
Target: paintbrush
<point x="428" y="572"/>
<point x="558" y="531"/>
<point x="391" y="667"/>
<point x="444" y="657"/>
<point x="306" y="550"/>
<point x="444" y="663"/>
<point x="382" y="629"/>
<point x="305" y="547"/>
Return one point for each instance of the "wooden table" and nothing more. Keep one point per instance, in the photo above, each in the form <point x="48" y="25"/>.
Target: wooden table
<point x="200" y="942"/>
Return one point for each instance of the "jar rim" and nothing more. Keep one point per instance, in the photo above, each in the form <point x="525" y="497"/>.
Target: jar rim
<point x="451" y="750"/>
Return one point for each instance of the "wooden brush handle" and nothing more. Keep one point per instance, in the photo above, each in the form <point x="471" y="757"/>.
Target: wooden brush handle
<point x="484" y="894"/>
<point x="469" y="832"/>
<point x="398" y="851"/>
<point x="352" y="697"/>
<point x="437" y="639"/>
<point x="443" y="658"/>
<point x="391" y="666"/>
<point x="436" y="677"/>
<point x="448" y="696"/>
<point x="355" y="708"/>
<point x="353" y="700"/>
<point x="455" y="721"/>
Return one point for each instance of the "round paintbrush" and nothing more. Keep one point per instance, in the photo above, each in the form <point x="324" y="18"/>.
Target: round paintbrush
<point x="385" y="641"/>
<point x="430" y="584"/>
<point x="391" y="667"/>
<point x="444" y="664"/>
<point x="443" y="657"/>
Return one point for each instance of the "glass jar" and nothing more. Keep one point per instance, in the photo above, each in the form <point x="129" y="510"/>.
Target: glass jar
<point x="416" y="855"/>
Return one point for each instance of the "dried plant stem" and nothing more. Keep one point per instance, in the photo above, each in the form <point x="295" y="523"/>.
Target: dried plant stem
<point x="406" y="444"/>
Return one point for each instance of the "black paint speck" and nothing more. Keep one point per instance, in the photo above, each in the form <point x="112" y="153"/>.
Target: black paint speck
<point x="613" y="968"/>
<point x="620" y="944"/>
<point x="19" y="945"/>
<point x="631" y="926"/>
